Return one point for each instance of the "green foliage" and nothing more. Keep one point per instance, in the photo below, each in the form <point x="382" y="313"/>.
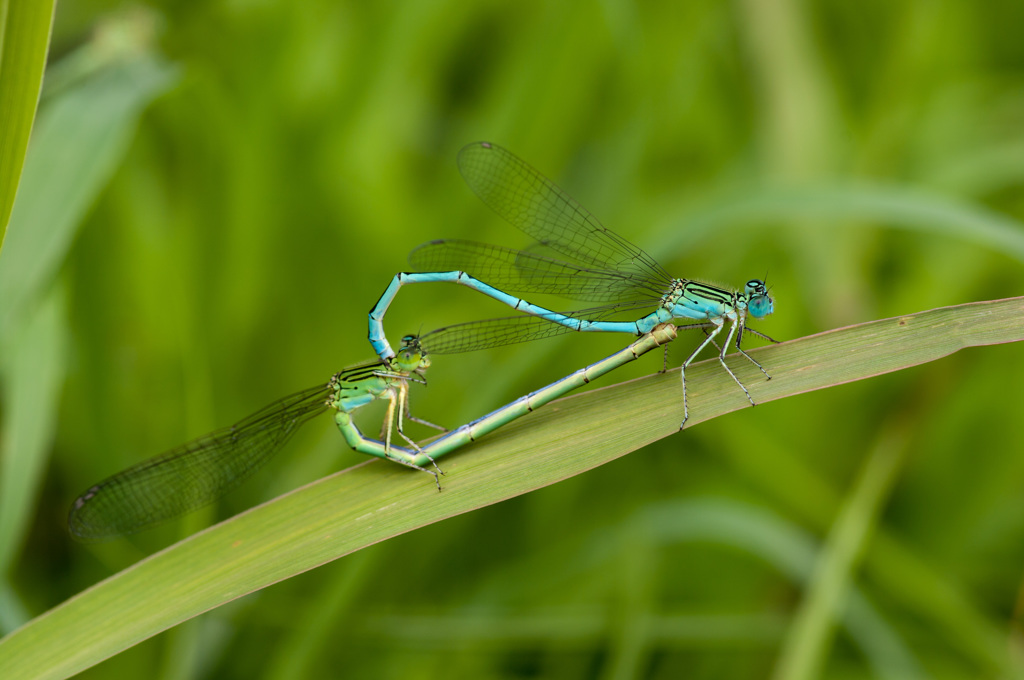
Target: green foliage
<point x="226" y="241"/>
<point x="24" y="39"/>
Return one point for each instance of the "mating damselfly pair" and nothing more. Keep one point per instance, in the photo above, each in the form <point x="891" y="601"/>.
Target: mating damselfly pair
<point x="574" y="257"/>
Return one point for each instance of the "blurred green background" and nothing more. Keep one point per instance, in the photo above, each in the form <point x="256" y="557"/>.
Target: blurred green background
<point x="240" y="180"/>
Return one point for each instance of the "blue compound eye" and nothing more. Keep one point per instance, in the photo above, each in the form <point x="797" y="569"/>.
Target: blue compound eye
<point x="760" y="306"/>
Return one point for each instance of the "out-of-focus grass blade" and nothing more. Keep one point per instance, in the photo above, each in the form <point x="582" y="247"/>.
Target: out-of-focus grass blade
<point x="24" y="42"/>
<point x="794" y="553"/>
<point x="33" y="368"/>
<point x="13" y="612"/>
<point x="809" y="639"/>
<point x="81" y="137"/>
<point x="886" y="206"/>
<point x="377" y="500"/>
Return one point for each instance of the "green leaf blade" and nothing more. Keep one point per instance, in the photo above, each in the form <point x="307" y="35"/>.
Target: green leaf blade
<point x="25" y="41"/>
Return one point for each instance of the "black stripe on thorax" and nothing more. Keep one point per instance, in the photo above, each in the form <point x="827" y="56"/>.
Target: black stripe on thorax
<point x="359" y="373"/>
<point x="709" y="292"/>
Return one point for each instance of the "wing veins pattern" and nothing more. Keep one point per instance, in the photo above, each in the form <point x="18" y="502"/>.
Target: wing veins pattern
<point x="194" y="474"/>
<point x="537" y="206"/>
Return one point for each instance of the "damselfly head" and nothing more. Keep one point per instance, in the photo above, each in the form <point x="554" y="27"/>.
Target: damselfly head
<point x="759" y="303"/>
<point x="411" y="356"/>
